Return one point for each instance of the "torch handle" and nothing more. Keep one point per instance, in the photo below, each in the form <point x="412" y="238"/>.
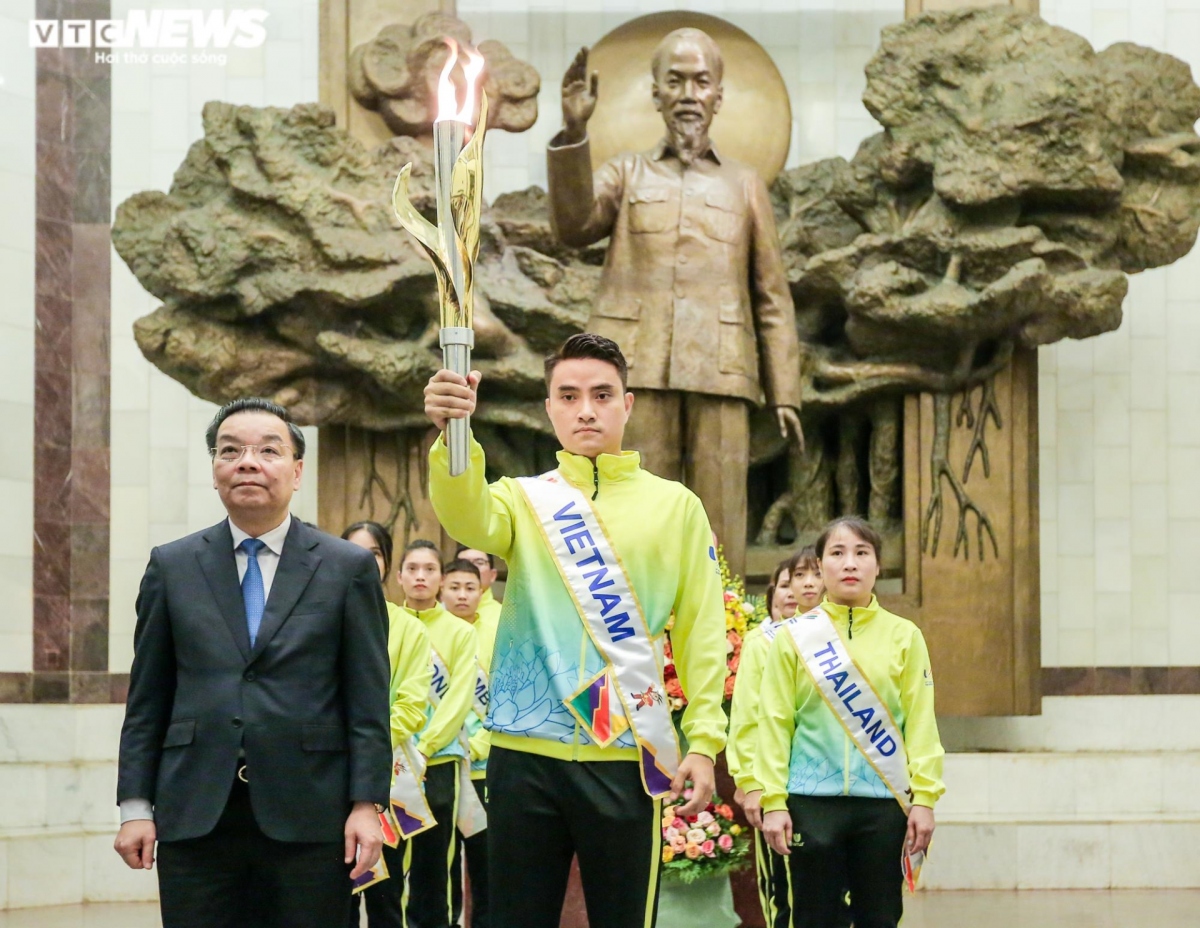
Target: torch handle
<point x="457" y="343"/>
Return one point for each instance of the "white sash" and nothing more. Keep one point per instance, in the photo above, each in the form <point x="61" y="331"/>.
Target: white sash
<point x="471" y="816"/>
<point x="770" y="628"/>
<point x="408" y="795"/>
<point x="480" y="707"/>
<point x="852" y="699"/>
<point x="613" y="617"/>
<point x="480" y="703"/>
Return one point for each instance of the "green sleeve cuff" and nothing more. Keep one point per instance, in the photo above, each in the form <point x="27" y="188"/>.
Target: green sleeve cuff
<point x="747" y="784"/>
<point x="708" y="747"/>
<point x="925" y="799"/>
<point x="703" y="749"/>
<point x="774" y="803"/>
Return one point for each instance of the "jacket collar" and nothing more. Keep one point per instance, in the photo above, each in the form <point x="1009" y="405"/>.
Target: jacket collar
<point x="608" y="467"/>
<point x="841" y="614"/>
<point x="425" y="615"/>
<point x="664" y="148"/>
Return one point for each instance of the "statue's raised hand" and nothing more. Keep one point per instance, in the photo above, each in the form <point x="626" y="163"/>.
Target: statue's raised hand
<point x="579" y="91"/>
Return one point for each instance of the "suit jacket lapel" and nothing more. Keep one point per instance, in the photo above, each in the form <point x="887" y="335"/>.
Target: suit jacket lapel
<point x="296" y="567"/>
<point x="220" y="570"/>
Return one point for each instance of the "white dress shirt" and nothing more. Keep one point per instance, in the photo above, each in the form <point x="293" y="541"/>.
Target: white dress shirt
<point x="268" y="563"/>
<point x="268" y="557"/>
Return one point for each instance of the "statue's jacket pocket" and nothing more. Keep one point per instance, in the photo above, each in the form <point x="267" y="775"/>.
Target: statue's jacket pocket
<point x="652" y="210"/>
<point x="724" y="216"/>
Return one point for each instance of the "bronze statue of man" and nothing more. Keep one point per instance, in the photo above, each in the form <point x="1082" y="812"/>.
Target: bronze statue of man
<point x="693" y="288"/>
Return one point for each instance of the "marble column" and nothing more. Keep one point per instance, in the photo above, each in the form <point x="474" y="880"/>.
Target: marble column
<point x="71" y="372"/>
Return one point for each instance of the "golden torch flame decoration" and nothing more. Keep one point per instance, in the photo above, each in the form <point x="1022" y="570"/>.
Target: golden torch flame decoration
<point x="453" y="244"/>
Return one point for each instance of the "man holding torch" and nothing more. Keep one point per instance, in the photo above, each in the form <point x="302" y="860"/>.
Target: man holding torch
<point x="601" y="555"/>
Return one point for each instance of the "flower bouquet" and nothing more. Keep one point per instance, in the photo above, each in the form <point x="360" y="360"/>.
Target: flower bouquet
<point x="708" y="844"/>
<point x="742" y="613"/>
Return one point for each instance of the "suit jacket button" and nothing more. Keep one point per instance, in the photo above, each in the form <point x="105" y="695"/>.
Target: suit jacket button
<point x="250" y="676"/>
<point x="237" y="723"/>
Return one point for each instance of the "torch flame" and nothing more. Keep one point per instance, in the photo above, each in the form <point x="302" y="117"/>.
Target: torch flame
<point x="447" y="93"/>
<point x="473" y="68"/>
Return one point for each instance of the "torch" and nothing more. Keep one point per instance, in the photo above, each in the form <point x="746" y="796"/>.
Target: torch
<point x="453" y="244"/>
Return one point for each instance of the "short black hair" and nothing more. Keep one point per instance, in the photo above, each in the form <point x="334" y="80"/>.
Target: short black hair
<point x="255" y="404"/>
<point x="588" y="345"/>
<point x="461" y="548"/>
<point x="382" y="537"/>
<point x="416" y="545"/>
<point x="459" y="566"/>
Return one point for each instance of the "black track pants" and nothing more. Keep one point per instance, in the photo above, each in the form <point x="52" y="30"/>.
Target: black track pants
<point x="842" y="842"/>
<point x="774" y="884"/>
<point x="431" y="853"/>
<point x="541" y="811"/>
<point x="474" y="849"/>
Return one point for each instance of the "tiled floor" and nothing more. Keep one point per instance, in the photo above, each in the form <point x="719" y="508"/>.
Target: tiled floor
<point x="1077" y="909"/>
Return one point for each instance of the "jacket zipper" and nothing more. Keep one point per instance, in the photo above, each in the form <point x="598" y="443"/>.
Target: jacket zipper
<point x="846" y="742"/>
<point x="595" y="479"/>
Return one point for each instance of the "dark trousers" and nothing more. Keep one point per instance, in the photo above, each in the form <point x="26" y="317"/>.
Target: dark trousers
<point x="476" y="854"/>
<point x="431" y="853"/>
<point x="543" y="811"/>
<point x="385" y="900"/>
<point x="842" y="842"/>
<point x="237" y="877"/>
<point x="476" y="848"/>
<point x="774" y="884"/>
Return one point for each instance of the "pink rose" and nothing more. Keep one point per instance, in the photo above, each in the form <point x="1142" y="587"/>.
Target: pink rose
<point x="679" y="844"/>
<point x="704" y="818"/>
<point x="680" y="825"/>
<point x="708" y="849"/>
<point x="670" y="834"/>
<point x="725" y="843"/>
<point x="713" y="829"/>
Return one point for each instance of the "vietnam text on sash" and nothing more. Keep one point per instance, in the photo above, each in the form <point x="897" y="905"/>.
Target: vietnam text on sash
<point x="612" y="616"/>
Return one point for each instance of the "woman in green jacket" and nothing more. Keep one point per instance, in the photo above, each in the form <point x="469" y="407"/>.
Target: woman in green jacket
<point x="408" y="651"/>
<point x="848" y="757"/>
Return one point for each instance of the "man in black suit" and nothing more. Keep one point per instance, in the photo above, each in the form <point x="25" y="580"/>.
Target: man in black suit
<point x="256" y="745"/>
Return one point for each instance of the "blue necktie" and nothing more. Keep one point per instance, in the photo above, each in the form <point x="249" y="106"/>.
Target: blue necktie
<point x="253" y="595"/>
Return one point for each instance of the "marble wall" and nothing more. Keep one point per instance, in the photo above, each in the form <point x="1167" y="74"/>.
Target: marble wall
<point x="1120" y="435"/>
<point x="17" y="154"/>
